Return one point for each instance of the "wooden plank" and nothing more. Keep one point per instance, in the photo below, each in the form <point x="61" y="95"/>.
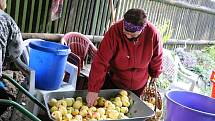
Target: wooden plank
<point x="96" y="11"/>
<point x="123" y="9"/>
<point x="179" y="14"/>
<point x="92" y="4"/>
<point x="75" y="14"/>
<point x="129" y="5"/>
<point x="99" y="20"/>
<point x="8" y="6"/>
<point x="38" y="15"/>
<point x="139" y="3"/>
<point x="212" y="33"/>
<point x="108" y="18"/>
<point x="56" y="23"/>
<point x="158" y="12"/>
<point x="185" y="25"/>
<point x="72" y="15"/>
<point x="104" y="18"/>
<point x="118" y="10"/>
<point x="86" y="22"/>
<point x="67" y="18"/>
<point x="17" y="11"/>
<point x="24" y="15"/>
<point x="154" y="13"/>
<point x="194" y="24"/>
<point x="79" y="14"/>
<point x="32" y="15"/>
<point x="44" y="20"/>
<point x="81" y="26"/>
<point x="62" y="19"/>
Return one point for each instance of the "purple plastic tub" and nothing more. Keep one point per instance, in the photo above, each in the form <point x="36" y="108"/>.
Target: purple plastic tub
<point x="189" y="106"/>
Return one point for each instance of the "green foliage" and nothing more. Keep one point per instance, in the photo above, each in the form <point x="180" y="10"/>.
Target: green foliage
<point x="210" y="50"/>
<point x="165" y="30"/>
<point x="163" y="83"/>
<point x="204" y="67"/>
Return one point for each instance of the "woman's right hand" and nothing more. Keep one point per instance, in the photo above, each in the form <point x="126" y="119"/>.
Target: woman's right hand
<point x="91" y="98"/>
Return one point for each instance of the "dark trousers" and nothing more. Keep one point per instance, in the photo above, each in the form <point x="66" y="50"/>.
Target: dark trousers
<point x="108" y="84"/>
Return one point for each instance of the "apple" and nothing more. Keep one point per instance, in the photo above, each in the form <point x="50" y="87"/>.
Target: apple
<point x="79" y="98"/>
<point x="54" y="108"/>
<point x="57" y="115"/>
<point x="101" y="101"/>
<point x="52" y="102"/>
<point x="77" y="104"/>
<point x="75" y="112"/>
<point x="123" y="93"/>
<point x="92" y="109"/>
<point x="101" y="111"/>
<point x="63" y="110"/>
<point x="84" y="107"/>
<point x="61" y="103"/>
<point x="83" y="112"/>
<point x="70" y="101"/>
<point x="126" y="103"/>
<point x="96" y="115"/>
<point x="78" y="117"/>
<point x="118" y="103"/>
<point x="113" y="114"/>
<point x="124" y="110"/>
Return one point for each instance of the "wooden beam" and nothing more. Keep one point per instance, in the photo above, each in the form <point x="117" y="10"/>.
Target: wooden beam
<point x="190" y="42"/>
<point x="186" y="5"/>
<point x="45" y="36"/>
<point x="98" y="39"/>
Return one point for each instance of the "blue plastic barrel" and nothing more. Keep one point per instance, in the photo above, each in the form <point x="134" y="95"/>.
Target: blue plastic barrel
<point x="189" y="106"/>
<point x="48" y="59"/>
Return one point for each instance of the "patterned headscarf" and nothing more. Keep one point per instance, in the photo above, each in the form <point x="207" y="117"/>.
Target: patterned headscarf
<point x="131" y="27"/>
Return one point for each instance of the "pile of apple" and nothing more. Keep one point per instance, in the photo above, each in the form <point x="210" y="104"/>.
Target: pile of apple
<point x="76" y="109"/>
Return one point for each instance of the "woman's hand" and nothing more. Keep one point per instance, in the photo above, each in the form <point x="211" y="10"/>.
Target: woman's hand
<point x="91" y="98"/>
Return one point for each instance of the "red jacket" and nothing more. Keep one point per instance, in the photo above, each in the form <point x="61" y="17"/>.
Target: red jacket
<point x="130" y="61"/>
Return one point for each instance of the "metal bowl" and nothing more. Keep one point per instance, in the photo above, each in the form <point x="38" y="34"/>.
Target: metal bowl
<point x="139" y="111"/>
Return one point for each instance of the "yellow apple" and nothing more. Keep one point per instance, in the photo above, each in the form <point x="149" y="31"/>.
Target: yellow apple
<point x="63" y="110"/>
<point x="54" y="108"/>
<point x="52" y="102"/>
<point x="77" y="104"/>
<point x="101" y="111"/>
<point x="61" y="103"/>
<point x="123" y="93"/>
<point x="124" y="110"/>
<point x="57" y="115"/>
<point x="70" y="101"/>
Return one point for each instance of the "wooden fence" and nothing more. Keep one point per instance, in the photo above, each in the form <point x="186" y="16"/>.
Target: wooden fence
<point x="189" y="19"/>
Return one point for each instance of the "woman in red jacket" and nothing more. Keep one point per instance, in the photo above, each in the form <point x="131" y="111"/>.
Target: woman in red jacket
<point x="130" y="52"/>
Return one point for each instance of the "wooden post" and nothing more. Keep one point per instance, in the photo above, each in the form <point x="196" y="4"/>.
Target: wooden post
<point x="112" y="11"/>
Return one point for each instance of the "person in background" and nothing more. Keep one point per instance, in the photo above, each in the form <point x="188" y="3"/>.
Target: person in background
<point x="10" y="47"/>
<point x="130" y="52"/>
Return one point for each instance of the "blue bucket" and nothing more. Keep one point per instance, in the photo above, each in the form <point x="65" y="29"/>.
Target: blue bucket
<point x="48" y="59"/>
<point x="189" y="106"/>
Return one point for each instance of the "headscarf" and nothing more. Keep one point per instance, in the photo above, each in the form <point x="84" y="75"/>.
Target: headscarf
<point x="131" y="27"/>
